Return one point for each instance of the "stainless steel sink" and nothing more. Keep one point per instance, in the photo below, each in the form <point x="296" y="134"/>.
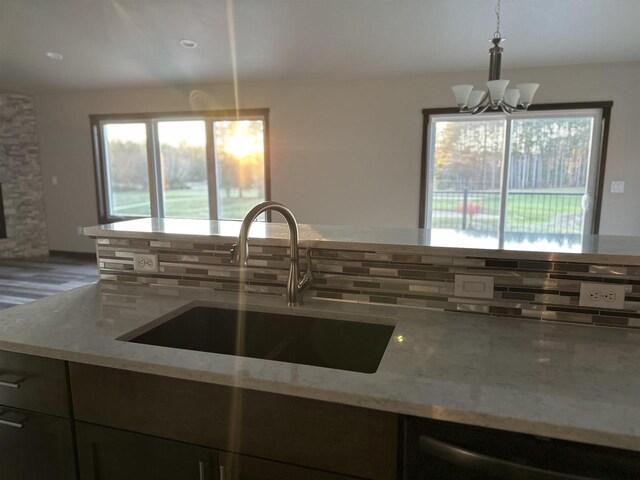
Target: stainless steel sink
<point x="338" y="344"/>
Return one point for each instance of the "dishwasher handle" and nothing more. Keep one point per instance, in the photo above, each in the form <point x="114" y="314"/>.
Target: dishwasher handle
<point x="497" y="467"/>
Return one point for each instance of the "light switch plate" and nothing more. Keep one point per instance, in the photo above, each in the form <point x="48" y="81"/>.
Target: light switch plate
<point x="145" y="262"/>
<point x="602" y="295"/>
<point x="474" y="286"/>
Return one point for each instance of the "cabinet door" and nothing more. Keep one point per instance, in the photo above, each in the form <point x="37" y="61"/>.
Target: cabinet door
<point x="291" y="430"/>
<point x="34" y="446"/>
<point x="240" y="467"/>
<point x="109" y="454"/>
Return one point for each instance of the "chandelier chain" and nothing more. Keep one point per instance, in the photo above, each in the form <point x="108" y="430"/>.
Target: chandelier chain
<point x="499" y="97"/>
<point x="497" y="10"/>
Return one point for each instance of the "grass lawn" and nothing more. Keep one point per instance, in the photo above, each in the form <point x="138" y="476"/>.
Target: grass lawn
<point x="558" y="212"/>
<point x="185" y="203"/>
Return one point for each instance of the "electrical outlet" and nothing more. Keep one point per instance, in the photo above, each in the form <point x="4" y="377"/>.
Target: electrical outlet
<point x="617" y="186"/>
<point x="145" y="263"/>
<point x="473" y="286"/>
<point x="602" y="295"/>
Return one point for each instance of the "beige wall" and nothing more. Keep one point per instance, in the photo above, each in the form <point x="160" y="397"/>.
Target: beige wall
<point x="343" y="152"/>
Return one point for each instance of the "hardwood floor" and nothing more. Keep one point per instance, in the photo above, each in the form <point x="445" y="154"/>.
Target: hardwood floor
<point x="24" y="280"/>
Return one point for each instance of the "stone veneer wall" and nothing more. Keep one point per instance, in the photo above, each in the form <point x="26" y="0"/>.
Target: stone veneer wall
<point x="543" y="290"/>
<point x="21" y="179"/>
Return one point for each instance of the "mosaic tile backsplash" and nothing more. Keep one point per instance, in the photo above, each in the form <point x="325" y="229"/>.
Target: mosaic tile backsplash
<point x="543" y="290"/>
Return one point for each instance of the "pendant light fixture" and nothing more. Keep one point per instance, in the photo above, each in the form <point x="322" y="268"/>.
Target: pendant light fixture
<point x="508" y="100"/>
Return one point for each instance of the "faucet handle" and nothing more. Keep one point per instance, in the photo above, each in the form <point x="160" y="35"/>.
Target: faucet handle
<point x="309" y="265"/>
<point x="239" y="254"/>
<point x="307" y="278"/>
<point x="234" y="254"/>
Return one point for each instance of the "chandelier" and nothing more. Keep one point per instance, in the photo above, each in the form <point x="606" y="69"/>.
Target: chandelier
<point x="508" y="100"/>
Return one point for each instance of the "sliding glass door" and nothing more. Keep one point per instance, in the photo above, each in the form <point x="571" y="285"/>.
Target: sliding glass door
<point x="530" y="176"/>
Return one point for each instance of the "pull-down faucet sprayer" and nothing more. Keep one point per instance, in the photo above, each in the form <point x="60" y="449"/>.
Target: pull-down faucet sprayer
<point x="296" y="284"/>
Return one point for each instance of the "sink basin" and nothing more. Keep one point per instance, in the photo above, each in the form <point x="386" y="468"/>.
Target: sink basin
<point x="338" y="344"/>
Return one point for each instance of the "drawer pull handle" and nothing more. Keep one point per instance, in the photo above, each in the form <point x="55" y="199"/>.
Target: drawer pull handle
<point x="11" y="418"/>
<point x="9" y="384"/>
<point x="223" y="473"/>
<point x="9" y="423"/>
<point x="10" y="380"/>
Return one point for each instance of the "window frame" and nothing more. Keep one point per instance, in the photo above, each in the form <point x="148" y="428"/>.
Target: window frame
<point x="605" y="107"/>
<point x="151" y="120"/>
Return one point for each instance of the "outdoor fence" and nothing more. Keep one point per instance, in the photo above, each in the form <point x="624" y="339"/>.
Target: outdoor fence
<point x="528" y="212"/>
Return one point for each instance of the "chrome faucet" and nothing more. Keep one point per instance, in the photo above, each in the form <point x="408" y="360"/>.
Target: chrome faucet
<point x="296" y="284"/>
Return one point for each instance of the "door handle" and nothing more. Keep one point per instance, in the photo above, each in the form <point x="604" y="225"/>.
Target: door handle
<point x="490" y="465"/>
<point x="202" y="470"/>
<point x="223" y="473"/>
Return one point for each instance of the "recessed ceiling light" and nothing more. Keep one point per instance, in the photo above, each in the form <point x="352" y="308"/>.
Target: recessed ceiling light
<point x="188" y="43"/>
<point x="55" y="55"/>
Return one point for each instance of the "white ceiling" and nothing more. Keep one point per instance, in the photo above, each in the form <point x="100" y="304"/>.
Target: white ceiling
<point x="130" y="43"/>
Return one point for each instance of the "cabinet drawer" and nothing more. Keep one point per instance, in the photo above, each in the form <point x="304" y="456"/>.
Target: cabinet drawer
<point x="318" y="435"/>
<point x="34" y="446"/>
<point x="34" y="383"/>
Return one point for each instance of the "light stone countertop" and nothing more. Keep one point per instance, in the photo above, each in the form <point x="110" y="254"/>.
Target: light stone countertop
<point x="607" y="249"/>
<point x="564" y="381"/>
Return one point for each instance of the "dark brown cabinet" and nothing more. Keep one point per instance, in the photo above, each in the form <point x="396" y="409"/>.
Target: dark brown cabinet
<point x="33" y="383"/>
<point x="132" y="426"/>
<point x="36" y="439"/>
<point x="240" y="467"/>
<point x="311" y="434"/>
<point x="110" y="454"/>
<point x="35" y="446"/>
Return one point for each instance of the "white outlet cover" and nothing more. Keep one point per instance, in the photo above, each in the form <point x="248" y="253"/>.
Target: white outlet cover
<point x="143" y="262"/>
<point x="617" y="186"/>
<point x="474" y="286"/>
<point x="602" y="295"/>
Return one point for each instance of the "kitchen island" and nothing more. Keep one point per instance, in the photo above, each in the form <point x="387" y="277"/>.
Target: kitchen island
<point x="562" y="381"/>
<point x="524" y="362"/>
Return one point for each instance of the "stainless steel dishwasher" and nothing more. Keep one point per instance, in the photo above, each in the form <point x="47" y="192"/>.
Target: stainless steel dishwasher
<point x="436" y="450"/>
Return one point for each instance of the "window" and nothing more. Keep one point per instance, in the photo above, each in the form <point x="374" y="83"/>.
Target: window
<point x="535" y="175"/>
<point x="193" y="165"/>
<point x="125" y="154"/>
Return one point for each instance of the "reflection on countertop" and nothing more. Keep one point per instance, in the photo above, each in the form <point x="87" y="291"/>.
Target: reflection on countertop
<point x="447" y="241"/>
